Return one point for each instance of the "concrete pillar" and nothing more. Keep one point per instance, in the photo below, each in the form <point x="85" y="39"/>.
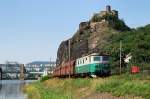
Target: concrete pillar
<point x="0" y="75"/>
<point x="22" y="72"/>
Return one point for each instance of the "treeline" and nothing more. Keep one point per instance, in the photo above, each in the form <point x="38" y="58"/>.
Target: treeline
<point x="136" y="42"/>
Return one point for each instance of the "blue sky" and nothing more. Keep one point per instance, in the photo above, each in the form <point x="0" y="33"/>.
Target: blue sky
<point x="32" y="30"/>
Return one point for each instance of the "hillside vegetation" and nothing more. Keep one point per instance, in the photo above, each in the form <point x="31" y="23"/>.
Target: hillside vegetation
<point x="135" y="42"/>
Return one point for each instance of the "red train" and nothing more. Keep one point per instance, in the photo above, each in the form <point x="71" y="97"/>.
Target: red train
<point x="65" y="69"/>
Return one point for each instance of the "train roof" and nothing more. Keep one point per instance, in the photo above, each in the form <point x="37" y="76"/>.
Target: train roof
<point x="94" y="54"/>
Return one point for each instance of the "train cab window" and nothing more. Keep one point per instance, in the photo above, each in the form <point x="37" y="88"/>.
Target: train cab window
<point x="105" y="58"/>
<point x="90" y="59"/>
<point x="80" y="61"/>
<point x="96" y="58"/>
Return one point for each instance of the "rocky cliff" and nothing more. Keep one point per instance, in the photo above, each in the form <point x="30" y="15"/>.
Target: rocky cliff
<point x="92" y="36"/>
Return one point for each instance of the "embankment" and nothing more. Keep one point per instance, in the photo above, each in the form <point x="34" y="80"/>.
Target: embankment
<point x="115" y="87"/>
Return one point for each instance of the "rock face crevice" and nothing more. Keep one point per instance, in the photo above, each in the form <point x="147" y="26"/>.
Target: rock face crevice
<point x="92" y="36"/>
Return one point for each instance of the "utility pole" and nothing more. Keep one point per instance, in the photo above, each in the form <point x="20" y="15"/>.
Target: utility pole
<point x="120" y="55"/>
<point x="69" y="56"/>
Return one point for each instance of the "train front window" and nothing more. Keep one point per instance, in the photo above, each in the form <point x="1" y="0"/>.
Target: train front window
<point x="105" y="58"/>
<point x="96" y="58"/>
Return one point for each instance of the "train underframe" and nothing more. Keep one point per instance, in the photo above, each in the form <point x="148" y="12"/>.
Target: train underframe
<point x="95" y="74"/>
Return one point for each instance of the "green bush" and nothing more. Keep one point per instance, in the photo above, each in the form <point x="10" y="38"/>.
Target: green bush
<point x="44" y="78"/>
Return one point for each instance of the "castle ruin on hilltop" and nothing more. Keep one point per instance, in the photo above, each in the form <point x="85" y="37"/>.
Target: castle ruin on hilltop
<point x="101" y="15"/>
<point x="92" y="36"/>
<point x="108" y="12"/>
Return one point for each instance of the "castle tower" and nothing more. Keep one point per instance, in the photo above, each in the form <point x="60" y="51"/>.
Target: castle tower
<point x="108" y="8"/>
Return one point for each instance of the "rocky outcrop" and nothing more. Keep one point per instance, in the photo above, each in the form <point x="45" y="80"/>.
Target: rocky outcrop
<point x="92" y="37"/>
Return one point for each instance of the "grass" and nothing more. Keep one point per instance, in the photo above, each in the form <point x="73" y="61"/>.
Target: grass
<point x="122" y="88"/>
<point x="126" y="85"/>
<point x="123" y="85"/>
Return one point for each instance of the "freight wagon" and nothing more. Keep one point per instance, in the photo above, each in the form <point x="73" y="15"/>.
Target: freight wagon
<point x="91" y="65"/>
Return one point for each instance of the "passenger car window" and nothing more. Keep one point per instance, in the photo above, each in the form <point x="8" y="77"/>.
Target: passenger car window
<point x="96" y="58"/>
<point x="105" y="58"/>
